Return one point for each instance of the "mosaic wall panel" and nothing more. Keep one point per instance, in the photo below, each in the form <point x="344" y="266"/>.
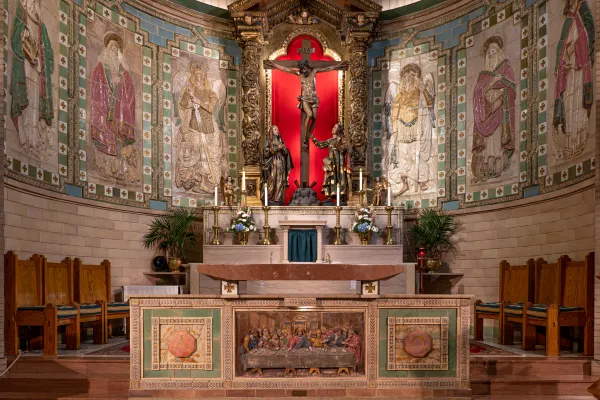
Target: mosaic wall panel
<point x="517" y="104"/>
<point x="182" y="343"/>
<point x="37" y="44"/>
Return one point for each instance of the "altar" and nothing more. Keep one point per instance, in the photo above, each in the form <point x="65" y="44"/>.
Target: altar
<point x="317" y="346"/>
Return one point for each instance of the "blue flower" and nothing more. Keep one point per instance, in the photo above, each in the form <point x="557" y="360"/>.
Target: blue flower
<point x="239" y="227"/>
<point x="364" y="227"/>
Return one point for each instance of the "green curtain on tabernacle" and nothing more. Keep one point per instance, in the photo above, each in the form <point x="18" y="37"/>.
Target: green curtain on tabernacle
<point x="302" y="245"/>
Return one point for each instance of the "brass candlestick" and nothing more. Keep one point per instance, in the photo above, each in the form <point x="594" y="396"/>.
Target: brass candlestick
<point x="266" y="240"/>
<point x="389" y="227"/>
<point x="215" y="226"/>
<point x="361" y="198"/>
<point x="338" y="227"/>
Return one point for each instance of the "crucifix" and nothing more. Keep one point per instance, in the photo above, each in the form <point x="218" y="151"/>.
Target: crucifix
<point x="307" y="71"/>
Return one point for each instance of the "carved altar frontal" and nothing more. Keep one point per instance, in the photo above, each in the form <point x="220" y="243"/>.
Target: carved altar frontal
<point x="388" y="344"/>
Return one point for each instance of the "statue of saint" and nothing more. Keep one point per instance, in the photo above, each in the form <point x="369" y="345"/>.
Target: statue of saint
<point x="337" y="163"/>
<point x="379" y="187"/>
<point x="32" y="109"/>
<point x="276" y="168"/>
<point x="227" y="191"/>
<point x="309" y="102"/>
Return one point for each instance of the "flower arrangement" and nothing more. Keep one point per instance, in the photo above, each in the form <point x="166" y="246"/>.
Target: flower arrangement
<point x="243" y="221"/>
<point x="364" y="220"/>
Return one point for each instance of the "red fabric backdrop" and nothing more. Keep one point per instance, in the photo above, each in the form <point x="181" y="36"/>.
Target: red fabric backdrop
<point x="287" y="115"/>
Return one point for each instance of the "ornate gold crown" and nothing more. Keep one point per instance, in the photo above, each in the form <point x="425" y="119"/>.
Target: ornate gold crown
<point x="198" y="67"/>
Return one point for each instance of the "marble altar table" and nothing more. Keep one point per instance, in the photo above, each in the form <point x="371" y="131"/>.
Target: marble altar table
<point x="255" y="346"/>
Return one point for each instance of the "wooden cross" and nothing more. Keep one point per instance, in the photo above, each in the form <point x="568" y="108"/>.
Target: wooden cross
<point x="229" y="287"/>
<point x="370" y="287"/>
<point x="306" y="50"/>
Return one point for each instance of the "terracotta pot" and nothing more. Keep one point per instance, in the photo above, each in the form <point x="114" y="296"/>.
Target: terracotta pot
<point x="174" y="264"/>
<point x="433" y="265"/>
<point x="365" y="237"/>
<point x="242" y="238"/>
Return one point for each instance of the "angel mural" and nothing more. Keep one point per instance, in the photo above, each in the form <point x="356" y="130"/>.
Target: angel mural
<point x="112" y="125"/>
<point x="200" y="160"/>
<point x="32" y="109"/>
<point x="410" y="120"/>
<point x="574" y="93"/>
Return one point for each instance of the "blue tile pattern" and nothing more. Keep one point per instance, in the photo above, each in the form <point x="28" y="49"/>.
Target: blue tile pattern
<point x="231" y="47"/>
<point x="159" y="31"/>
<point x="377" y="49"/>
<point x="449" y="33"/>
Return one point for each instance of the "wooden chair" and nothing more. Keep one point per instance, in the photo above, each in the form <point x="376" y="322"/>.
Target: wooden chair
<point x="25" y="305"/>
<point x="59" y="289"/>
<point x="572" y="305"/>
<point x="92" y="284"/>
<point x="516" y="288"/>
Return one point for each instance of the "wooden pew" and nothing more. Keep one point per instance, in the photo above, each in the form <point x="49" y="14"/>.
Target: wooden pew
<point x="516" y="287"/>
<point x="59" y="289"/>
<point x="92" y="284"/>
<point x="571" y="304"/>
<point x="26" y="289"/>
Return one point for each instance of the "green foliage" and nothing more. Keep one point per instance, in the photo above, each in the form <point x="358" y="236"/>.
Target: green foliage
<point x="173" y="232"/>
<point x="434" y="231"/>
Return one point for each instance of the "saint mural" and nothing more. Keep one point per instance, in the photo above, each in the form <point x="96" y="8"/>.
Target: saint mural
<point x="494" y="114"/>
<point x="200" y="157"/>
<point x="113" y="114"/>
<point x="276" y="168"/>
<point x="574" y="94"/>
<point x="412" y="123"/>
<point x="32" y="109"/>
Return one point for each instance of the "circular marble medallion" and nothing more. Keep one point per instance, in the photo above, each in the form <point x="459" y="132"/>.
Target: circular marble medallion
<point x="418" y="343"/>
<point x="182" y="344"/>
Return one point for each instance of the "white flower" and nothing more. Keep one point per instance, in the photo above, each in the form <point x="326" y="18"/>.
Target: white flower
<point x="374" y="229"/>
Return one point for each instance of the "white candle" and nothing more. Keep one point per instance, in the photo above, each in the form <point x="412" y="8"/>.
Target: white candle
<point x="337" y="195"/>
<point x="216" y="196"/>
<point x="266" y="197"/>
<point x="360" y="180"/>
<point x="244" y="179"/>
<point x="389" y="196"/>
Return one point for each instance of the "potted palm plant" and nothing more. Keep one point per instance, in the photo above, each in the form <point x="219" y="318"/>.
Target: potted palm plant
<point x="434" y="232"/>
<point x="174" y="234"/>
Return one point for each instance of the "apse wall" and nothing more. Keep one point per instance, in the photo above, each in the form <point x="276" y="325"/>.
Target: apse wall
<point x="82" y="180"/>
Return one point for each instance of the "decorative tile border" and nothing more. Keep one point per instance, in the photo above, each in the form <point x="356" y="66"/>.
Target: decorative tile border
<point x="442" y="365"/>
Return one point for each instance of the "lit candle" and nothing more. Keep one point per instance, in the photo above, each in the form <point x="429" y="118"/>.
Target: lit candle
<point x="337" y="195"/>
<point x="266" y="197"/>
<point x="389" y="196"/>
<point x="360" y="180"/>
<point x="244" y="179"/>
<point x="216" y="196"/>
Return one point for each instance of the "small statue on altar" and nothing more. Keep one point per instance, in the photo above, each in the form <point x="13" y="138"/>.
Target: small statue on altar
<point x="379" y="187"/>
<point x="337" y="163"/>
<point x="303" y="19"/>
<point x="276" y="168"/>
<point x="227" y="191"/>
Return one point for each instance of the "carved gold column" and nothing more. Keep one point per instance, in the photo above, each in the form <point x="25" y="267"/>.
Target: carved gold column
<point x="250" y="31"/>
<point x="357" y="70"/>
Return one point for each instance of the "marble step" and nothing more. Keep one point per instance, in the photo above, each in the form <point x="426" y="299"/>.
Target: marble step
<point x="529" y="366"/>
<point x="541" y="385"/>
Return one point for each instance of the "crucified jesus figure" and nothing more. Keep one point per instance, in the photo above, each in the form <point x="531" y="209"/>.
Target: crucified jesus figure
<point x="309" y="102"/>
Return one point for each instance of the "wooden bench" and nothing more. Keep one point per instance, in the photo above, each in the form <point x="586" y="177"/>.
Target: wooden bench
<point x="570" y="303"/>
<point x="59" y="285"/>
<point x="516" y="288"/>
<point x="92" y="284"/>
<point x="29" y="301"/>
